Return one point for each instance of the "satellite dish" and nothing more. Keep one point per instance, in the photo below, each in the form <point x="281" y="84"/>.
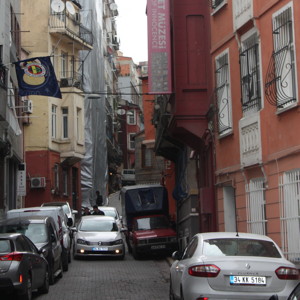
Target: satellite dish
<point x="70" y="8"/>
<point x="121" y="112"/>
<point x="113" y="6"/>
<point x="57" y="6"/>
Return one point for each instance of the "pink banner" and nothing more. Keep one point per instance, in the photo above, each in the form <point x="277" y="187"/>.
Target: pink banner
<point x="159" y="47"/>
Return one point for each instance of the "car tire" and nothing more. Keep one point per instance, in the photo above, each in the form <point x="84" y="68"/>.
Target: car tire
<point x="44" y="289"/>
<point x="171" y="294"/>
<point x="27" y="295"/>
<point x="51" y="275"/>
<point x="65" y="258"/>
<point x="61" y="274"/>
<point x="135" y="254"/>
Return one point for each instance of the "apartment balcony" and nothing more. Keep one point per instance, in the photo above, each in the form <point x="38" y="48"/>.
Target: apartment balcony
<point x="242" y="12"/>
<point x="71" y="79"/>
<point x="250" y="141"/>
<point x="3" y="92"/>
<point x="69" y="28"/>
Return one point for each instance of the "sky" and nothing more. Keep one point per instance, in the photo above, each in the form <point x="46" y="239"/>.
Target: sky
<point x="132" y="29"/>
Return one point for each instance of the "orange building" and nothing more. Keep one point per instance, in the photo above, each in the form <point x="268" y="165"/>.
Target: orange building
<point x="254" y="46"/>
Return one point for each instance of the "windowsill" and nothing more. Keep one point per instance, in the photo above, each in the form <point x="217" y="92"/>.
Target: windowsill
<point x="219" y="7"/>
<point x="60" y="141"/>
<point x="283" y="110"/>
<point x="224" y="135"/>
<point x="80" y="143"/>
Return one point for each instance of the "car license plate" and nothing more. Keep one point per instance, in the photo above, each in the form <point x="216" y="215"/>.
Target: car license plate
<point x="248" y="280"/>
<point x="100" y="248"/>
<point x="158" y="247"/>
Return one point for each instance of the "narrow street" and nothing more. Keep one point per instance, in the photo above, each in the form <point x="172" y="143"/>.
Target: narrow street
<point x="112" y="279"/>
<point x="109" y="279"/>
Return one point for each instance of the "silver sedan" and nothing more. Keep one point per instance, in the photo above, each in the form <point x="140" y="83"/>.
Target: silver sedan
<point x="98" y="235"/>
<point x="224" y="265"/>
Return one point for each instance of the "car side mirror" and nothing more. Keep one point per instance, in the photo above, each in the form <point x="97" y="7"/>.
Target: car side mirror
<point x="177" y="255"/>
<point x="74" y="211"/>
<point x="53" y="239"/>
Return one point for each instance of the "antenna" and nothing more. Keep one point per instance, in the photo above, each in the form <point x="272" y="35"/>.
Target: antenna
<point x="57" y="6"/>
<point x="70" y="8"/>
<point x="113" y="6"/>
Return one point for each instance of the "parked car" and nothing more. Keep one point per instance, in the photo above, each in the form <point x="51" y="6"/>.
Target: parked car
<point x="295" y="295"/>
<point x="113" y="212"/>
<point x="42" y="232"/>
<point x="98" y="235"/>
<point x="62" y="224"/>
<point x="233" y="266"/>
<point x="66" y="207"/>
<point x="23" y="268"/>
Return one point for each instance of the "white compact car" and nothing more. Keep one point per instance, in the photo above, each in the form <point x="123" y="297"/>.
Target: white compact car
<point x="98" y="235"/>
<point x="230" y="265"/>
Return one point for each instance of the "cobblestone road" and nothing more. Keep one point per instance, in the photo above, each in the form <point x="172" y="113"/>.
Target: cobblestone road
<point x="109" y="279"/>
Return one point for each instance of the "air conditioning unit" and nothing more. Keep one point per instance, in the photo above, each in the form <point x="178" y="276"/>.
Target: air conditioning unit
<point x="28" y="107"/>
<point x="38" y="182"/>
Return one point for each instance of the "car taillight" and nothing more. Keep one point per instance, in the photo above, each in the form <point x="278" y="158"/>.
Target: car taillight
<point x="287" y="273"/>
<point x="204" y="271"/>
<point x="13" y="256"/>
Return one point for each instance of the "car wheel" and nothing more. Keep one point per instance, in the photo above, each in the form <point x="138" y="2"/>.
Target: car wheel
<point x="171" y="294"/>
<point x="135" y="253"/>
<point x="61" y="270"/>
<point x="65" y="262"/>
<point x="44" y="289"/>
<point x="51" y="275"/>
<point x="27" y="295"/>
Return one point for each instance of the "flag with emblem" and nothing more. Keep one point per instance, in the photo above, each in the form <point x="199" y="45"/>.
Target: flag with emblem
<point x="36" y="76"/>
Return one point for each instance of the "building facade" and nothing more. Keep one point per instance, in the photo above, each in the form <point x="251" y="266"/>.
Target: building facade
<point x="12" y="188"/>
<point x="54" y="141"/>
<point x="256" y="83"/>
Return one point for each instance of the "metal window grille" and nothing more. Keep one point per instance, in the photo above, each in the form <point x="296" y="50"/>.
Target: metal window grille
<point x="250" y="75"/>
<point x="223" y="94"/>
<point x="53" y="121"/>
<point x="255" y="197"/>
<point x="284" y="59"/>
<point x="289" y="185"/>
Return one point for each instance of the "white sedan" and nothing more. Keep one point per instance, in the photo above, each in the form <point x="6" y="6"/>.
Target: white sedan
<point x="98" y="235"/>
<point x="230" y="265"/>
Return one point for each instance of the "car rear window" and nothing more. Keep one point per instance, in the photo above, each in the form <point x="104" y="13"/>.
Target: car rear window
<point x="240" y="247"/>
<point x="5" y="246"/>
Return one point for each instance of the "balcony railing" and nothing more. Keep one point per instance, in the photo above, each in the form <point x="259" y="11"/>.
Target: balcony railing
<point x="71" y="79"/>
<point x="71" y="23"/>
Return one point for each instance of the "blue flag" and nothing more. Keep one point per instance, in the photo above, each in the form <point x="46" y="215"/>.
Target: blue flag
<point x="36" y="76"/>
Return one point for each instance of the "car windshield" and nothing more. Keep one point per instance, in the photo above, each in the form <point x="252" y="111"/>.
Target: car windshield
<point x="36" y="232"/>
<point x="240" y="247"/>
<point x="98" y="226"/>
<point x="5" y="246"/>
<point x="159" y="222"/>
<point x="110" y="213"/>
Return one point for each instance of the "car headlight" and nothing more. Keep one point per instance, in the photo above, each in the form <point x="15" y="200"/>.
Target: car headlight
<point x="118" y="242"/>
<point x="82" y="242"/>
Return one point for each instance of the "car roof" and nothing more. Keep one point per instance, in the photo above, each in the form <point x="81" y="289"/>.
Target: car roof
<point x="33" y="209"/>
<point x="98" y="217"/>
<point x="26" y="219"/>
<point x="13" y="235"/>
<point x="55" y="203"/>
<point x="140" y="186"/>
<point x="107" y="208"/>
<point x="242" y="235"/>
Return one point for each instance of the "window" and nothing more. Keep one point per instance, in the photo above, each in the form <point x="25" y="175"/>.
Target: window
<point x="290" y="213"/>
<point x="56" y="176"/>
<point x="131" y="142"/>
<point x="65" y="182"/>
<point x="79" y="125"/>
<point x="256" y="218"/>
<point x="131" y="117"/>
<point x="64" y="65"/>
<point x="223" y="94"/>
<point x="250" y="75"/>
<point x="53" y="121"/>
<point x="65" y="122"/>
<point x="284" y="58"/>
<point x="146" y="156"/>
